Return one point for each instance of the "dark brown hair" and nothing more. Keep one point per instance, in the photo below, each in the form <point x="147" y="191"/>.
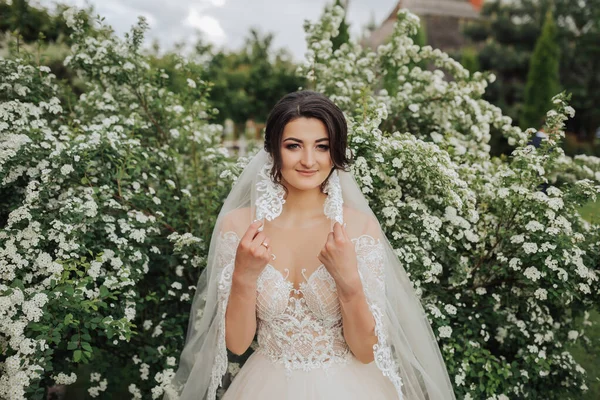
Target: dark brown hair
<point x="307" y="104"/>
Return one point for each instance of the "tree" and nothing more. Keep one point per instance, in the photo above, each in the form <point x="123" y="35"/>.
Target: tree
<point x="469" y="59"/>
<point x="246" y="84"/>
<point x="31" y="21"/>
<point x="506" y="36"/>
<point x="543" y="77"/>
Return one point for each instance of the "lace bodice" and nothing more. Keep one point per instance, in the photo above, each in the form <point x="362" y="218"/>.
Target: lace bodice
<point x="302" y="328"/>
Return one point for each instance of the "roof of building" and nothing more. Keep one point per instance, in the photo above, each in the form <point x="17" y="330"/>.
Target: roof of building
<point x="468" y="9"/>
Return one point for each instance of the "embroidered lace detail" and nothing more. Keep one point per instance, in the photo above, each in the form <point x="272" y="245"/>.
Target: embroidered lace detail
<point x="300" y="332"/>
<point x="334" y="204"/>
<point x="302" y="328"/>
<point x="371" y="267"/>
<point x="225" y="251"/>
<point x="269" y="203"/>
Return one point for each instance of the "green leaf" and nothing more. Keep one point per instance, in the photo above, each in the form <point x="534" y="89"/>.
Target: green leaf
<point x="77" y="355"/>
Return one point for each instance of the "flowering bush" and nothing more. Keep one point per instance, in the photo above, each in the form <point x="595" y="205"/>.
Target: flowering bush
<point x="94" y="195"/>
<point x="109" y="203"/>
<point x="503" y="267"/>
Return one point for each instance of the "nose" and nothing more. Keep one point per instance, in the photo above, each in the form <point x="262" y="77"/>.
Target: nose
<point x="308" y="158"/>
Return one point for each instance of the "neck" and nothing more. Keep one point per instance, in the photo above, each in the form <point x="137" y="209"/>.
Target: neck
<point x="302" y="205"/>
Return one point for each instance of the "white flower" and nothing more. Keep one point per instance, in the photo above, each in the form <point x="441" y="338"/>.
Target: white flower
<point x="66" y="169"/>
<point x="517" y="239"/>
<point x="144" y="371"/>
<point x="532" y="273"/>
<point x="445" y="331"/>
<point x="530" y="248"/>
<point x="534" y="226"/>
<point x="541" y="294"/>
<point x="62" y="379"/>
<point x="450" y="309"/>
<point x="191" y="83"/>
<point x="515" y="264"/>
<point x="414" y="108"/>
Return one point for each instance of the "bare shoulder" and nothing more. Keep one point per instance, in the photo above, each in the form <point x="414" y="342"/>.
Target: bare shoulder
<point x="362" y="223"/>
<point x="237" y="220"/>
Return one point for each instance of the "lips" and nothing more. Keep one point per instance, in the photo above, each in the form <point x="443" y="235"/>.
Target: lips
<point x="307" y="173"/>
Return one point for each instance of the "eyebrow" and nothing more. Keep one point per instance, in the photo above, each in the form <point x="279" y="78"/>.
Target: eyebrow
<point x="300" y="141"/>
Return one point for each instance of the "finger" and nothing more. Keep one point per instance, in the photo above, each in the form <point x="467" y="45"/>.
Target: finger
<point x="251" y="231"/>
<point x="258" y="239"/>
<point x="330" y="241"/>
<point x="345" y="231"/>
<point x="338" y="232"/>
<point x="266" y="242"/>
<point x="265" y="251"/>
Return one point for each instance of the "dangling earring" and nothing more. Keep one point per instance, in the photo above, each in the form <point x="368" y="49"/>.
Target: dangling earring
<point x="334" y="203"/>
<point x="269" y="203"/>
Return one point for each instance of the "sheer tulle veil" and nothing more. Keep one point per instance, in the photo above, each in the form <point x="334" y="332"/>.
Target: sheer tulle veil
<point x="407" y="352"/>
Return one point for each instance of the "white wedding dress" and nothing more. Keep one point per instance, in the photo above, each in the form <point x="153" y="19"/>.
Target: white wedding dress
<point x="302" y="353"/>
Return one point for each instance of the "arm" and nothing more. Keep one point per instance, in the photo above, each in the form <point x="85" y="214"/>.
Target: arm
<point x="240" y="318"/>
<point x="358" y="322"/>
<point x="237" y="285"/>
<point x="362" y="299"/>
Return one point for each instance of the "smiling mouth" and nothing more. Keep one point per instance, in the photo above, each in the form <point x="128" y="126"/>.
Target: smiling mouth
<point x="307" y="172"/>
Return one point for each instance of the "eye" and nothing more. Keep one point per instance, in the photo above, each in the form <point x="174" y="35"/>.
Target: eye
<point x="323" y="147"/>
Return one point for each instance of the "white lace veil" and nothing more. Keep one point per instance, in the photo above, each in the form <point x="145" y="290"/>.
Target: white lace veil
<point x="407" y="351"/>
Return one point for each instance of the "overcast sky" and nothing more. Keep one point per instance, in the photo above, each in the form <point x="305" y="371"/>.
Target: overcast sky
<point x="227" y="22"/>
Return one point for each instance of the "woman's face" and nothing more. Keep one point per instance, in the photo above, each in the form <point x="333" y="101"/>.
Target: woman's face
<point x="305" y="147"/>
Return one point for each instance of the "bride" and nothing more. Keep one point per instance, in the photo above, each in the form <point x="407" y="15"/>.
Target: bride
<point x="299" y="260"/>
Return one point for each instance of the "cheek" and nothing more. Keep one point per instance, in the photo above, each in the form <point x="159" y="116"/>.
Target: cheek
<point x="326" y="158"/>
<point x="287" y="158"/>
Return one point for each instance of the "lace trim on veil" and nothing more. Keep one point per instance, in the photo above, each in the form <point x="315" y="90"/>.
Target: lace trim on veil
<point x="225" y="255"/>
<point x="334" y="203"/>
<point x="371" y="267"/>
<point x="269" y="203"/>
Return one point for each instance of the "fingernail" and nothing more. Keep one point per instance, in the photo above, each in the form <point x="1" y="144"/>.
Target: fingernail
<point x="344" y="225"/>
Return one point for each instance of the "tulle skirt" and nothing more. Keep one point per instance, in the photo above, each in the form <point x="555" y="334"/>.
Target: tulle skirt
<point x="260" y="378"/>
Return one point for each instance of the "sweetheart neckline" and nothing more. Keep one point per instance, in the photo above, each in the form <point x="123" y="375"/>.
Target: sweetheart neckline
<point x="307" y="280"/>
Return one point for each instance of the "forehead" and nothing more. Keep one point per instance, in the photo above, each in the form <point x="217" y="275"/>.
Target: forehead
<point x="305" y="129"/>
